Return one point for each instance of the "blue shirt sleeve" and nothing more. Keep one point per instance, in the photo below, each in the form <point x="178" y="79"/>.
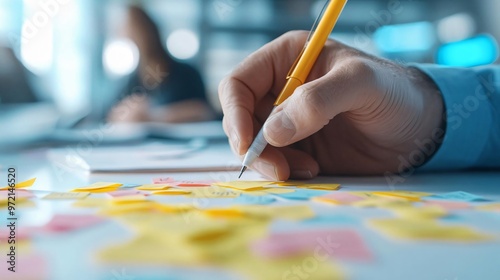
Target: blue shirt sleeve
<point x="472" y="108"/>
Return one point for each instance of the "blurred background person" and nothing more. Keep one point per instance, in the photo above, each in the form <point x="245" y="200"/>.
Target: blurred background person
<point x="14" y="85"/>
<point x="161" y="89"/>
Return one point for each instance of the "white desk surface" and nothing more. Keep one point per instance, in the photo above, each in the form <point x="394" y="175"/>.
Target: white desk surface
<point x="70" y="256"/>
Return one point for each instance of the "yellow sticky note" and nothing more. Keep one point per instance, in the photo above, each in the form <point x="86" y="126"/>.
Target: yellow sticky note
<point x="292" y="212"/>
<point x="224" y="213"/>
<point x="154" y="187"/>
<point x="413" y="196"/>
<point x="426" y="230"/>
<point x="379" y="202"/>
<point x="129" y="199"/>
<point x="244" y="185"/>
<point x="172" y="192"/>
<point x="66" y="195"/>
<point x="22" y="185"/>
<point x="173" y="208"/>
<point x="328" y="187"/>
<point x="363" y="194"/>
<point x="139" y="251"/>
<point x="125" y="208"/>
<point x="278" y="190"/>
<point x="99" y="187"/>
<point x="91" y="202"/>
<point x="428" y="212"/>
<point x="4" y="201"/>
<point x="213" y="193"/>
<point x="489" y="207"/>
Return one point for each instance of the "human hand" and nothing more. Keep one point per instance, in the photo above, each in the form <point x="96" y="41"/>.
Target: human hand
<point x="132" y="109"/>
<point x="355" y="115"/>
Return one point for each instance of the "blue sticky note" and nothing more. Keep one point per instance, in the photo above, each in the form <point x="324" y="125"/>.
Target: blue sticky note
<point x="457" y="196"/>
<point x="331" y="220"/>
<point x="129" y="186"/>
<point x="303" y="194"/>
<point x="250" y="199"/>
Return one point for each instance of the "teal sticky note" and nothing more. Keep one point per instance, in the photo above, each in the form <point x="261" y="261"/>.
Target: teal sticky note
<point x="331" y="220"/>
<point x="250" y="199"/>
<point x="457" y="196"/>
<point x="302" y="194"/>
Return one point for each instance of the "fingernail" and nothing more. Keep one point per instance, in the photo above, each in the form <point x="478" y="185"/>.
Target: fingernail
<point x="266" y="169"/>
<point x="235" y="140"/>
<point x="280" y="129"/>
<point x="301" y="174"/>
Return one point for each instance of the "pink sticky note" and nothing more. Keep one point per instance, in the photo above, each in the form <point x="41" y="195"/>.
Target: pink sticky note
<point x="193" y="183"/>
<point x="342" y="197"/>
<point x="163" y="180"/>
<point x="63" y="223"/>
<point x="338" y="243"/>
<point x="21" y="233"/>
<point x="449" y="205"/>
<point x="124" y="193"/>
<point x="28" y="266"/>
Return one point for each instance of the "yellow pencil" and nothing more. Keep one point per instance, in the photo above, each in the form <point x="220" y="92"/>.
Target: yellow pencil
<point x="300" y="70"/>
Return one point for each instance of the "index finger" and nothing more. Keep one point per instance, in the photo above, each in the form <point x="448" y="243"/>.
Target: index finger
<point x="261" y="73"/>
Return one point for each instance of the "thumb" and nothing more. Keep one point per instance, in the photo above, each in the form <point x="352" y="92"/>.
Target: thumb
<point x="311" y="107"/>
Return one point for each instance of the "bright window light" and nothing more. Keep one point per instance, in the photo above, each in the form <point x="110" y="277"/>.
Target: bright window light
<point x="480" y="50"/>
<point x="456" y="27"/>
<point x="37" y="47"/>
<point x="410" y="37"/>
<point x="183" y="44"/>
<point x="120" y="57"/>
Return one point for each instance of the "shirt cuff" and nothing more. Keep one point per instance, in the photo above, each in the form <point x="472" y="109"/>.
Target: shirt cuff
<point x="468" y="117"/>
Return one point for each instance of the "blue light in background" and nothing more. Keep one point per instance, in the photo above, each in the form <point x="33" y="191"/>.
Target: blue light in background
<point x="409" y="37"/>
<point x="480" y="50"/>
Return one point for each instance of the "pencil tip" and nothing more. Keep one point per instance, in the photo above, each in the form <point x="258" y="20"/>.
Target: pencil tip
<point x="242" y="170"/>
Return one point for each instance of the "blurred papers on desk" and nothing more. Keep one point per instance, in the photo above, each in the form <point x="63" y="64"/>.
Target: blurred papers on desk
<point x="194" y="156"/>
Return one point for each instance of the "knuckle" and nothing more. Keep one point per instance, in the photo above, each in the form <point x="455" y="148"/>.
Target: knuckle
<point x="315" y="102"/>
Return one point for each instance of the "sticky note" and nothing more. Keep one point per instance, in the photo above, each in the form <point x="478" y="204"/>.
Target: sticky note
<point x="129" y="199"/>
<point x="329" y="220"/>
<point x="66" y="222"/>
<point x="224" y="212"/>
<point x="489" y="207"/>
<point x="91" y="202"/>
<point x="245" y="185"/>
<point x="66" y="195"/>
<point x="278" y="190"/>
<point x="292" y="212"/>
<point x="126" y="208"/>
<point x="193" y="183"/>
<point x="154" y="187"/>
<point x="412" y="196"/>
<point x="339" y="198"/>
<point x="129" y="186"/>
<point x="342" y="244"/>
<point x="249" y="199"/>
<point x="383" y="202"/>
<point x="329" y="187"/>
<point x="213" y="193"/>
<point x="34" y="266"/>
<point x="119" y="193"/>
<point x="22" y="185"/>
<point x="448" y="205"/>
<point x="302" y="194"/>
<point x="99" y="187"/>
<point x="426" y="212"/>
<point x="457" y="196"/>
<point x="172" y="192"/>
<point x="163" y="180"/>
<point x="421" y="229"/>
